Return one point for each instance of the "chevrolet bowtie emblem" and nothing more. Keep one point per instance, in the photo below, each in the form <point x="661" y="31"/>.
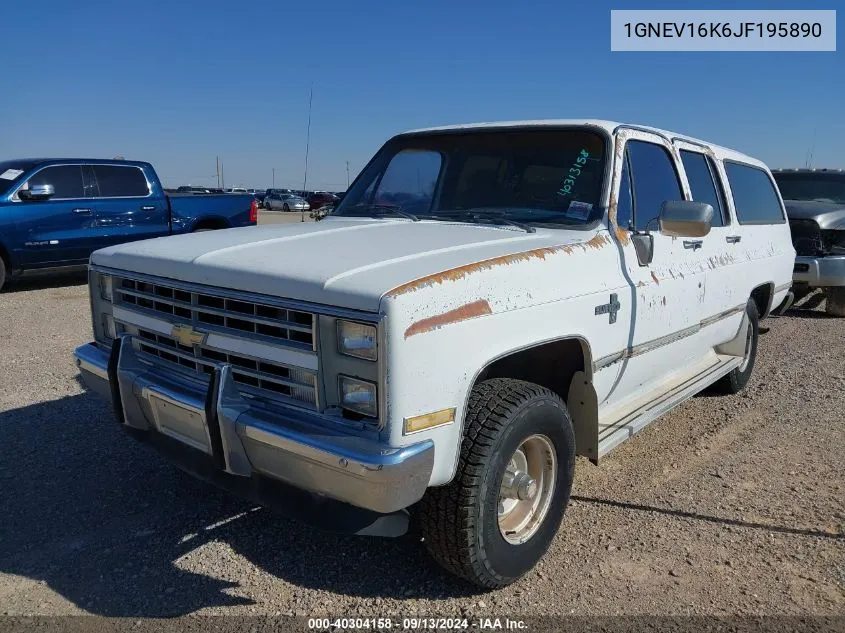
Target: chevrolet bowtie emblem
<point x="188" y="336"/>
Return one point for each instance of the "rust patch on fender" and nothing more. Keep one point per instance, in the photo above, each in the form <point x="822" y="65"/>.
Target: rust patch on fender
<point x="455" y="274"/>
<point x="597" y="241"/>
<point x="656" y="280"/>
<point x="468" y="311"/>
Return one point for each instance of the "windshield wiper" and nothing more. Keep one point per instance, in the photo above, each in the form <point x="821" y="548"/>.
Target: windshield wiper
<point x="377" y="210"/>
<point x="480" y="215"/>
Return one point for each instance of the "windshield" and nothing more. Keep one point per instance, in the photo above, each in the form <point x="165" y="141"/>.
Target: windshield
<point x="812" y="186"/>
<point x="532" y="176"/>
<point x="11" y="172"/>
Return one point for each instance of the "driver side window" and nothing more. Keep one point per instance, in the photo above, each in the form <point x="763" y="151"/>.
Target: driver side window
<point x="66" y="180"/>
<point x="654" y="180"/>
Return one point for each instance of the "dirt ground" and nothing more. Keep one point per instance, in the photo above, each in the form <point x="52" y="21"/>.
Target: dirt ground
<point x="726" y="506"/>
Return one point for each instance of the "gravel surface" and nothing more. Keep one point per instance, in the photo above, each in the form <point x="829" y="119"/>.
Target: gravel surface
<point x="728" y="505"/>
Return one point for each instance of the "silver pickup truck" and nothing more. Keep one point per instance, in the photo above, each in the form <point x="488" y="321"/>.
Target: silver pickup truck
<point x="815" y="204"/>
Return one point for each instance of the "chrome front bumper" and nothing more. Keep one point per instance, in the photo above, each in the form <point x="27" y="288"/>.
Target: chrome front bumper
<point x="243" y="441"/>
<point x="820" y="272"/>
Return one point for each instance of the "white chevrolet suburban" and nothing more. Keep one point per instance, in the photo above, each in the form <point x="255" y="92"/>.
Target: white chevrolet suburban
<point x="486" y="303"/>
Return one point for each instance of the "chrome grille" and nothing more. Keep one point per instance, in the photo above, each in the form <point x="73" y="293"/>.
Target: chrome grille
<point x="293" y="328"/>
<point x="290" y="382"/>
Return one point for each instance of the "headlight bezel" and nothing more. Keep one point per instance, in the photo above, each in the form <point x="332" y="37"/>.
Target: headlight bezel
<point x="369" y="332"/>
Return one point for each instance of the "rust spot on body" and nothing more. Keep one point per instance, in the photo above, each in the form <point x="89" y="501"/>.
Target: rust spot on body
<point x="468" y="311"/>
<point x="656" y="280"/>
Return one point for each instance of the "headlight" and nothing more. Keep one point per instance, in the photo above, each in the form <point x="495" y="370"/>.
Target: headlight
<point x="357" y="339"/>
<point x="358" y="396"/>
<point x="105" y="283"/>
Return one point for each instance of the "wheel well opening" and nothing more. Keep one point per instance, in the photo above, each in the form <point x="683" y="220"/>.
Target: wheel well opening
<point x="551" y="365"/>
<point x="762" y="296"/>
<point x="6" y="260"/>
<point x="212" y="223"/>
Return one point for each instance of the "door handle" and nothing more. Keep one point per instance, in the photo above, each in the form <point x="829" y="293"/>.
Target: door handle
<point x="693" y="244"/>
<point x="733" y="239"/>
<point x="82" y="211"/>
<point x="148" y="208"/>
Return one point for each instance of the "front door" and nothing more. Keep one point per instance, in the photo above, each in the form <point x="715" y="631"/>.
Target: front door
<point x="60" y="231"/>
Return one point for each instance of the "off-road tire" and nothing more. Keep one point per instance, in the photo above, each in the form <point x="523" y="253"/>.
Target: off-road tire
<point x="2" y="274"/>
<point x="735" y="381"/>
<point x="459" y="521"/>
<point x="835" y="301"/>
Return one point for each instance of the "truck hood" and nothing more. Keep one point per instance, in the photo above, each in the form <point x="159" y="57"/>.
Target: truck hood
<point x="344" y="262"/>
<point x="828" y="215"/>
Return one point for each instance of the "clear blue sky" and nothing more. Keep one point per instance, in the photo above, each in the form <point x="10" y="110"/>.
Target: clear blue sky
<point x="178" y="83"/>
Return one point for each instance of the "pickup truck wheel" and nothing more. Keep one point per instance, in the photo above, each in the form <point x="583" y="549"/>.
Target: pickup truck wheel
<point x="735" y="381"/>
<point x="835" y="304"/>
<point x="2" y="273"/>
<point x="498" y="516"/>
<point x="286" y="208"/>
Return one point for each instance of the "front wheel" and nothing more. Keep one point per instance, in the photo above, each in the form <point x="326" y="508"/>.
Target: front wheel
<point x="2" y="273"/>
<point x="287" y="208"/>
<point x="498" y="516"/>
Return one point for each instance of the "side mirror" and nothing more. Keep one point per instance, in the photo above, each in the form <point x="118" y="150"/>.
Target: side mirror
<point x="37" y="192"/>
<point x="685" y="218"/>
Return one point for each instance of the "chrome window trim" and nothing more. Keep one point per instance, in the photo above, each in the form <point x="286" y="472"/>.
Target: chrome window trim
<point x="227" y="293"/>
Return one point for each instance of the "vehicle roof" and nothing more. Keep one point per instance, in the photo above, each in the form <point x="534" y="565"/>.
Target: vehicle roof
<point x="102" y="161"/>
<point x="608" y="126"/>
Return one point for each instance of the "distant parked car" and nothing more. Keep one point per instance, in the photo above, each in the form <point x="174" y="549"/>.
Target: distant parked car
<point x="320" y="199"/>
<point x="237" y="190"/>
<point x="285" y="202"/>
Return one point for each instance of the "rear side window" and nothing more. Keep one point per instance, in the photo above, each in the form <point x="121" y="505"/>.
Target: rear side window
<point x="654" y="181"/>
<point x="66" y="180"/>
<point x="115" y="181"/>
<point x="754" y="195"/>
<point x="700" y="174"/>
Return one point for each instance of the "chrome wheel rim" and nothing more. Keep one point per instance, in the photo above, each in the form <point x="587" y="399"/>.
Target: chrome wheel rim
<point x="749" y="337"/>
<point x="527" y="488"/>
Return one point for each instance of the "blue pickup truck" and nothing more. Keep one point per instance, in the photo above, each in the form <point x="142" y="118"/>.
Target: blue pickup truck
<point x="55" y="212"/>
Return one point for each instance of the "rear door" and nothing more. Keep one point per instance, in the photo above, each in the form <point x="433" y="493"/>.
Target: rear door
<point x="126" y="207"/>
<point x="60" y="231"/>
<point x="720" y="252"/>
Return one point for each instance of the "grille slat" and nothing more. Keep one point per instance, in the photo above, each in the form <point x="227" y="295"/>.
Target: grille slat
<point x="232" y="316"/>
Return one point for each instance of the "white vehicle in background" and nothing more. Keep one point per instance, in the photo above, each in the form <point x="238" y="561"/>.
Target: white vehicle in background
<point x="484" y="304"/>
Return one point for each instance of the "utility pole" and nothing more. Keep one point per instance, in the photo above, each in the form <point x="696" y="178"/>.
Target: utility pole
<point x="307" y="146"/>
<point x="218" y="172"/>
<point x="222" y="182"/>
<point x="347" y="174"/>
<point x="274" y="177"/>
